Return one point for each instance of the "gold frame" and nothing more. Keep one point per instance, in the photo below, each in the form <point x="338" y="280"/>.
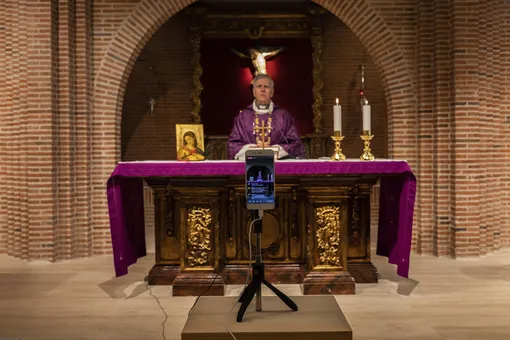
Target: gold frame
<point x="198" y="131"/>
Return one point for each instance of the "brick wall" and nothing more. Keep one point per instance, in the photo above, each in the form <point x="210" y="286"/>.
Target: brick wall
<point x="394" y="68"/>
<point x="459" y="106"/>
<point x="108" y="16"/>
<point x="342" y="54"/>
<point x="502" y="90"/>
<point x="145" y="136"/>
<point x="29" y="186"/>
<point x="4" y="107"/>
<point x="46" y="84"/>
<point x="441" y="67"/>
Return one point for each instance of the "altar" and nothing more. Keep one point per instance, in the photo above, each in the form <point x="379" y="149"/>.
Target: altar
<point x="318" y="235"/>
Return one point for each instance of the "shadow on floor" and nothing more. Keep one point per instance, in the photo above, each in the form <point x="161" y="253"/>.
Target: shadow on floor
<point x="124" y="287"/>
<point x="388" y="271"/>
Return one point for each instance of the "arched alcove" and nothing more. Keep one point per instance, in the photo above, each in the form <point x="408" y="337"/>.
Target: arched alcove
<point x="149" y="16"/>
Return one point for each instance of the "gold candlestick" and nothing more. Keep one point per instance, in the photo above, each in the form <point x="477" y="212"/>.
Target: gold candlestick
<point x="367" y="152"/>
<point x="337" y="155"/>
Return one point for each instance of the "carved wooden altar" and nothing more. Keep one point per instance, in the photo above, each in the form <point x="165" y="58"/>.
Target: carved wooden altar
<point x="319" y="234"/>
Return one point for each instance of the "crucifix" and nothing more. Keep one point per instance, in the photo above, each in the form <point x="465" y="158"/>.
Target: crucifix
<point x="261" y="130"/>
<point x="258" y="58"/>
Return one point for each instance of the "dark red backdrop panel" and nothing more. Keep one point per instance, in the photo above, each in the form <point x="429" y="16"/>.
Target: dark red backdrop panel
<point x="226" y="79"/>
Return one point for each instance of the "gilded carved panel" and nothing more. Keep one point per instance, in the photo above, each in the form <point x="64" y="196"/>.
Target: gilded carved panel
<point x="328" y="235"/>
<point x="199" y="226"/>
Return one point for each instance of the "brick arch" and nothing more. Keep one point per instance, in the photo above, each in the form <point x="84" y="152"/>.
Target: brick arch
<point x="109" y="86"/>
<point x="395" y="73"/>
<point x="359" y="16"/>
<point x="146" y="18"/>
<point x="118" y="61"/>
<point x="149" y="15"/>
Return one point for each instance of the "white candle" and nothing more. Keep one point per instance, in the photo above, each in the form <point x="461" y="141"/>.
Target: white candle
<point x="337" y="117"/>
<point x="366" y="117"/>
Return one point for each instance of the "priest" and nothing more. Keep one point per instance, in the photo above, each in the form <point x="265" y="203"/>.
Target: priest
<point x="264" y="124"/>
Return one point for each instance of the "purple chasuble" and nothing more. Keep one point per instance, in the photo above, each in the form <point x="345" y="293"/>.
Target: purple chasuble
<point x="283" y="131"/>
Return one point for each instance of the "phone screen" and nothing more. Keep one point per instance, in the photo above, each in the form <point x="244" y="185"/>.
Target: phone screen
<point x="260" y="193"/>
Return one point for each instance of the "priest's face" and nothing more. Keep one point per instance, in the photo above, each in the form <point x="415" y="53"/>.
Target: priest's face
<point x="262" y="91"/>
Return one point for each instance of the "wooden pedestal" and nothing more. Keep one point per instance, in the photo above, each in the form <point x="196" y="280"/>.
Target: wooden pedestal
<point x="334" y="282"/>
<point x="292" y="273"/>
<point x="317" y="318"/>
<point x="194" y="284"/>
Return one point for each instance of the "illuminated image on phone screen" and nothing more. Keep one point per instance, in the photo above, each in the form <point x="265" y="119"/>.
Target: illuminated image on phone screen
<point x="260" y="180"/>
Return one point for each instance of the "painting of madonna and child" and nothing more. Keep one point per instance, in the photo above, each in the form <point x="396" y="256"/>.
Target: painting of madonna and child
<point x="190" y="142"/>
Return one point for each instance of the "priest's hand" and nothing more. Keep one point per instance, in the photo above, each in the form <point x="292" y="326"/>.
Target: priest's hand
<point x="261" y="144"/>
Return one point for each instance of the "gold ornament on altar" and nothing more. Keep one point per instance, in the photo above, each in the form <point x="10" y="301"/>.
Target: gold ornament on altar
<point x="199" y="235"/>
<point x="264" y="134"/>
<point x="262" y="131"/>
<point x="328" y="236"/>
<point x="337" y="154"/>
<point x="367" y="152"/>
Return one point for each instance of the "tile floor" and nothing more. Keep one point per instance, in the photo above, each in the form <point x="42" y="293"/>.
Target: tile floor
<point x="81" y="299"/>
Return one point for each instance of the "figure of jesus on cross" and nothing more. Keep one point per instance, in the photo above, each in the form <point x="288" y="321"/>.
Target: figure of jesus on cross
<point x="258" y="58"/>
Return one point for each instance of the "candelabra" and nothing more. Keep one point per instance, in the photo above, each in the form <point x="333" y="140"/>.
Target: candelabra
<point x="365" y="110"/>
<point x="337" y="154"/>
<point x="367" y="152"/>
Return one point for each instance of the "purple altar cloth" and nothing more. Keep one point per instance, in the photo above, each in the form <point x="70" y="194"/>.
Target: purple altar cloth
<point x="125" y="200"/>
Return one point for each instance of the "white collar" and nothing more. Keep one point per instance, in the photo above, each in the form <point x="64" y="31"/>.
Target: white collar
<point x="263" y="112"/>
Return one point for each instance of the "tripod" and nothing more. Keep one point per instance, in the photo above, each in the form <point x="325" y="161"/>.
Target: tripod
<point x="258" y="277"/>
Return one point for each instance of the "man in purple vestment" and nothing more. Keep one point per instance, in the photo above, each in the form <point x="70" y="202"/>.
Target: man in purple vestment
<point x="264" y="124"/>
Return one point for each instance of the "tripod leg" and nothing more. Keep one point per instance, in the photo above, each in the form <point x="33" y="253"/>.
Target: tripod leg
<point x="282" y="296"/>
<point x="243" y="295"/>
<point x="248" y="295"/>
<point x="246" y="290"/>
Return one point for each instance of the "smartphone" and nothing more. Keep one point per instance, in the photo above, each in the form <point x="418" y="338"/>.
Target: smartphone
<point x="260" y="179"/>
